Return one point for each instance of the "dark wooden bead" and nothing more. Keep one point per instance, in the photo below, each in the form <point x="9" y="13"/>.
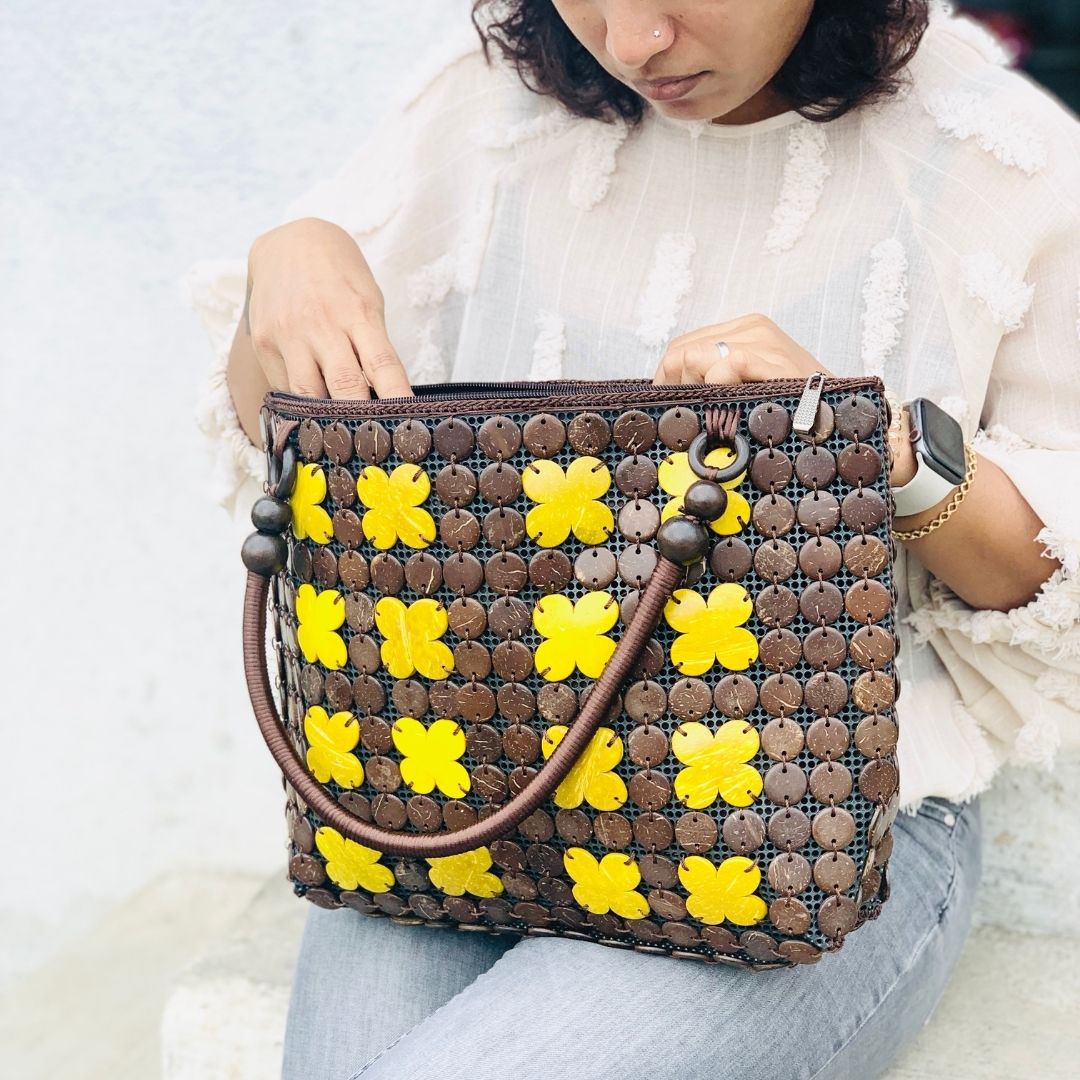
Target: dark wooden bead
<point x="705" y="500"/>
<point x="271" y="515"/>
<point x="682" y="540"/>
<point x="264" y="553"/>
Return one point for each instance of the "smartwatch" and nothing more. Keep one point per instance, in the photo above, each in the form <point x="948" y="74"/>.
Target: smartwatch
<point x="938" y="442"/>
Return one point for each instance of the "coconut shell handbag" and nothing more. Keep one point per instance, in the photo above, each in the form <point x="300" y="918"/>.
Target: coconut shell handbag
<point x="598" y="659"/>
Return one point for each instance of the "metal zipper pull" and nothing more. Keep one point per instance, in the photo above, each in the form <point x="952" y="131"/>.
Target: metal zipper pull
<point x="806" y="413"/>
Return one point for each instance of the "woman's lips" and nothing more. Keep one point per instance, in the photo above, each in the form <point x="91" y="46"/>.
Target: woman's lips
<point x="669" y="91"/>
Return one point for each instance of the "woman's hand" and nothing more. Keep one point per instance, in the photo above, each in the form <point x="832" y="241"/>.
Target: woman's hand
<point x="760" y="350"/>
<point x="315" y="315"/>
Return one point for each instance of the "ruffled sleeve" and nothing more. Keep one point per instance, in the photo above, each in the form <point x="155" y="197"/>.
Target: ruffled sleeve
<point x="1018" y="671"/>
<point x="413" y="194"/>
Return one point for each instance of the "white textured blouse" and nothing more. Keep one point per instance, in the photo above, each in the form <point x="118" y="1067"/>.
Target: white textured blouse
<point x="933" y="240"/>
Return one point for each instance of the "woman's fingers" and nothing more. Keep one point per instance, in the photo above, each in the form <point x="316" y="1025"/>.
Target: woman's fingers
<point x="381" y="365"/>
<point x="341" y="369"/>
<point x="305" y="378"/>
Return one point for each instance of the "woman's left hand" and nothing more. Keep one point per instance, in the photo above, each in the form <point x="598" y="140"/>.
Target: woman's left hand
<point x="760" y="350"/>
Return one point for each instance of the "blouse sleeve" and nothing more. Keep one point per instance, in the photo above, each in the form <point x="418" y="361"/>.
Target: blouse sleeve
<point x="404" y="194"/>
<point x="1018" y="671"/>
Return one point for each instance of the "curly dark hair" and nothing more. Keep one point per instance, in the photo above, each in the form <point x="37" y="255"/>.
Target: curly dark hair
<point x="850" y="53"/>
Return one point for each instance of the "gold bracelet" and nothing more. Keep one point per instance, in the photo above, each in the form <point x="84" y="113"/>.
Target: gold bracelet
<point x="971" y="463"/>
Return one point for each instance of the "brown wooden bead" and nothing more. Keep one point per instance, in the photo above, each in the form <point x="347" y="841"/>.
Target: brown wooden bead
<point x="509" y="617"/>
<point x="785" y="783"/>
<point x="654" y="832"/>
<point x="872" y="647"/>
<point x="827" y="738"/>
<point x="769" y="423"/>
<point x="595" y="567"/>
<point x="636" y="476"/>
<point x="517" y="704"/>
<point x="781" y="694"/>
<point x="876" y="735"/>
<point x="412" y="440"/>
<point x="856" y="417"/>
<point x="820" y="557"/>
<point x="513" y="660"/>
<point x="789" y="828"/>
<point x="309" y="440"/>
<point x="866" y="556"/>
<point x="521" y="743"/>
<point x="466" y="617"/>
<point x="644" y="700"/>
<point x="503" y="527"/>
<point x="776" y="605"/>
<point x="323" y="566"/>
<point x="613" y="831"/>
<point x="636" y="564"/>
<point x="347" y="529"/>
<point x="878" y="780"/>
<point x="589" y="433"/>
<point x="868" y="601"/>
<point x="337" y="443"/>
<point x="382" y="773"/>
<point x="789" y="873"/>
<point x="835" y="870"/>
<point x="456" y="485"/>
<point x="667" y="904"/>
<point x="463" y="573"/>
<point x="410" y="697"/>
<point x="364" y="654"/>
<point x="859" y="463"/>
<point x="506" y="572"/>
<point x="557" y="702"/>
<point x="690" y="699"/>
<point x="744" y="831"/>
<point x="863" y="509"/>
<point x="372" y="442"/>
<point x="818" y="511"/>
<point x="830" y="782"/>
<point x="824" y="648"/>
<point x="773" y="515"/>
<point x="650" y="789"/>
<point x="782" y="738"/>
<point x="574" y="826"/>
<point x="424" y="813"/>
<point x="342" y="487"/>
<point x="873" y="692"/>
<point x="499" y="437"/>
<point x="638" y="520"/>
<point x="770" y="470"/>
<point x="484" y="743"/>
<point x="453" y="438"/>
<point x="544" y="435"/>
<point x="821" y="603"/>
<point x="550" y="570"/>
<point x="677" y="427"/>
<point x="459" y="529"/>
<point x="799" y="952"/>
<point x="634" y="431"/>
<point x="815" y="467"/>
<point x="780" y="650"/>
<point x="789" y="915"/>
<point x="730" y="559"/>
<point x="388" y="811"/>
<point x="338" y="691"/>
<point x="833" y="827"/>
<point x="775" y="560"/>
<point x="368" y="694"/>
<point x="538" y="827"/>
<point x="735" y="696"/>
<point x="500" y="483"/>
<point x="825" y="693"/>
<point x="696" y="832"/>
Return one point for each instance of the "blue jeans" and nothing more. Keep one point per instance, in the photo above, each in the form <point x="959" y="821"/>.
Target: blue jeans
<point x="375" y="1000"/>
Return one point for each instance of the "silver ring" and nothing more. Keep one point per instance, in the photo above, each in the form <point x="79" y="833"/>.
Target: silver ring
<point x="656" y="33"/>
<point x="723" y="348"/>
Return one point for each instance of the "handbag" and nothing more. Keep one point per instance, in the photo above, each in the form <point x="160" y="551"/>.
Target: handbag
<point x="600" y="659"/>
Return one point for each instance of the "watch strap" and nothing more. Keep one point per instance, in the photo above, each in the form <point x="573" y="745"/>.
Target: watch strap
<point x="925" y="489"/>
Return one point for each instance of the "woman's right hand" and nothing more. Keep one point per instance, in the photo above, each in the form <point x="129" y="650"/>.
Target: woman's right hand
<point x="315" y="315"/>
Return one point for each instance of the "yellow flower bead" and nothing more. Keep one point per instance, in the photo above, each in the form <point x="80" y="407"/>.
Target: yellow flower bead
<point x="607" y="885"/>
<point x="716" y="764"/>
<point x="412" y="633"/>
<point x="320" y="614"/>
<point x="394" y="506"/>
<point x="456" y="875"/>
<point x="722" y="892"/>
<point x="711" y="631"/>
<point x="591" y="779"/>
<point x="331" y="740"/>
<point x="575" y="634"/>
<point x="567" y="501"/>
<point x="675" y="476"/>
<point x="350" y="864"/>
<point x="309" y="519"/>
<point x="430" y="756"/>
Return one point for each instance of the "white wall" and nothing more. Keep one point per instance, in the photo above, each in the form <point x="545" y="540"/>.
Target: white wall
<point x="137" y="138"/>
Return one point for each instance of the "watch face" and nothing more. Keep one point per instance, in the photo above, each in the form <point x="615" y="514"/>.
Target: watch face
<point x="940" y="439"/>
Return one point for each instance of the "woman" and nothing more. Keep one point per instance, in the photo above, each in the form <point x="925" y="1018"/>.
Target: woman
<point x="852" y="186"/>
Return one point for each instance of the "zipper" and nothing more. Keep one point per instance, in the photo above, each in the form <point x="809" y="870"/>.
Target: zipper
<point x="802" y="423"/>
<point x="494" y="392"/>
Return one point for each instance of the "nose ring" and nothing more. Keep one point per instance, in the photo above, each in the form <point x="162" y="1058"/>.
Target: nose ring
<point x="656" y="33"/>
